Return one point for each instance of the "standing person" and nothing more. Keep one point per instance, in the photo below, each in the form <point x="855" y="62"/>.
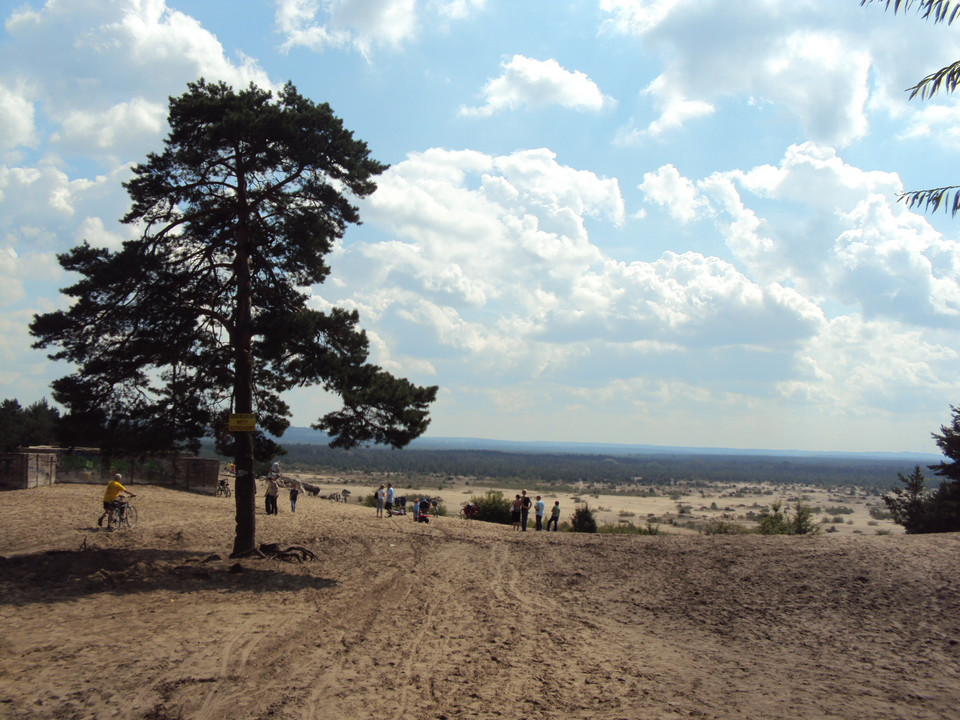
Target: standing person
<point x="275" y="469"/>
<point x="110" y="497"/>
<point x="525" y="504"/>
<point x="273" y="489"/>
<point x="540" y="507"/>
<point x="381" y="498"/>
<point x="515" y="513"/>
<point x="554" y="517"/>
<point x="388" y="501"/>
<point x="295" y="491"/>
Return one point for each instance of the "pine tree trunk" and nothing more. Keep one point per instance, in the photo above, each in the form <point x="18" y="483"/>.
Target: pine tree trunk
<point x="246" y="537"/>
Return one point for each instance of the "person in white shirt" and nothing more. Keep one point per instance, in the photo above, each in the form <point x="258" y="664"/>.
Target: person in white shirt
<point x="381" y="496"/>
<point x="388" y="504"/>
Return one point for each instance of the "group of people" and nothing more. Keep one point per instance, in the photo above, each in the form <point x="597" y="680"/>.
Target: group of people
<point x="274" y="482"/>
<point x="520" y="512"/>
<point x="386" y="496"/>
<point x="385" y="499"/>
<point x="389" y="503"/>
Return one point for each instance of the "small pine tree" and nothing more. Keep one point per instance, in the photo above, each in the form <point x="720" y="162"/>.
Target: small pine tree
<point x="922" y="511"/>
<point x="802" y="523"/>
<point x="777" y="521"/>
<point x="774" y="521"/>
<point x="583" y="520"/>
<point x="906" y="504"/>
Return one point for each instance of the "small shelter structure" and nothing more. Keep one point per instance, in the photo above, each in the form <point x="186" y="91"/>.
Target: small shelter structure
<point x="36" y="466"/>
<point x="21" y="470"/>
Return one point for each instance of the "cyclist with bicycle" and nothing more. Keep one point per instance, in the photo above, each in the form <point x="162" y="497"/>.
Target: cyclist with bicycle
<point x="111" y="498"/>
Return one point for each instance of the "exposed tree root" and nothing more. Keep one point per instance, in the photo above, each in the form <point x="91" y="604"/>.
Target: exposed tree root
<point x="273" y="551"/>
<point x="253" y="552"/>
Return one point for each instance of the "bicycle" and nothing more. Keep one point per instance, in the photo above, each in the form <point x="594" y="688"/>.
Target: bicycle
<point x="124" y="515"/>
<point x="223" y="489"/>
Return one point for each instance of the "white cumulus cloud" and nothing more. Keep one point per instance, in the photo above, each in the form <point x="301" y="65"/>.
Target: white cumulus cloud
<point x="775" y="55"/>
<point x="17" y="118"/>
<point x="114" y="127"/>
<point x="364" y="25"/>
<point x="829" y="229"/>
<point x="526" y="82"/>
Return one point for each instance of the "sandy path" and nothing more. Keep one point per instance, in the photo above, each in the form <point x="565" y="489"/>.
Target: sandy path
<point x="460" y="619"/>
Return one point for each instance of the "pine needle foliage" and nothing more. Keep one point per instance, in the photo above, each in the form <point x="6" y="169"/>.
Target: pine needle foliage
<point x="209" y="311"/>
<point x="946" y="78"/>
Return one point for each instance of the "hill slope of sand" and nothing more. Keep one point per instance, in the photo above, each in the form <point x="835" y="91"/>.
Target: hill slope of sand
<point x="459" y="619"/>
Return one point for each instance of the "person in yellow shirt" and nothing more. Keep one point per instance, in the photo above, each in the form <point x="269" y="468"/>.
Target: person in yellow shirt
<point x="111" y="495"/>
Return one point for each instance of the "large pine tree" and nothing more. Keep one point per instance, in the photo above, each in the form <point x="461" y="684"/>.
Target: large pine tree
<point x="206" y="314"/>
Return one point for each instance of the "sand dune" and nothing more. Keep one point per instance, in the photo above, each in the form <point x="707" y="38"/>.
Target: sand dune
<point x="458" y="619"/>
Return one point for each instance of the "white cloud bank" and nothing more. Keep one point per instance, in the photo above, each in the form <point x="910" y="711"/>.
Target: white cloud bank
<point x="494" y="277"/>
<point x="363" y="25"/>
<point x="495" y="263"/>
<point x="786" y="300"/>
<point x="526" y="82"/>
<point x="814" y="67"/>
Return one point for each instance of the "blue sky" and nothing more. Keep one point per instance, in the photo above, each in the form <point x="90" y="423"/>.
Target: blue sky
<point x="635" y="221"/>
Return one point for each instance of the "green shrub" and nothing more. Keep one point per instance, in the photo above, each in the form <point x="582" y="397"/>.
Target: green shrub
<point x="723" y="527"/>
<point x="583" y="520"/>
<point x="493" y="507"/>
<point x="839" y="510"/>
<point x="880" y="514"/>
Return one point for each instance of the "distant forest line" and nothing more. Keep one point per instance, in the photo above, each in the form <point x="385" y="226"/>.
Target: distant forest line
<point x="517" y="468"/>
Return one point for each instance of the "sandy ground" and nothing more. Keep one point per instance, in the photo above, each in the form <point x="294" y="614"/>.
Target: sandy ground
<point x="460" y="619"/>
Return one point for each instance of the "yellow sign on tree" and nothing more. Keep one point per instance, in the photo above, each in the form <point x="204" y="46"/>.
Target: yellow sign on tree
<point x="242" y="422"/>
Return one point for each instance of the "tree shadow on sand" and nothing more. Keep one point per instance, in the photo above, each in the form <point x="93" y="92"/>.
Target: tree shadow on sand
<point x="63" y="575"/>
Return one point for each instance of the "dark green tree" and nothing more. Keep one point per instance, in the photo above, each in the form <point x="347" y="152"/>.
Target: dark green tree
<point x="920" y="510"/>
<point x="206" y="313"/>
<point x="11" y="424"/>
<point x="948" y="78"/>
<point x="948" y="440"/>
<point x="940" y="510"/>
<point x="583" y="520"/>
<point x="907" y="503"/>
<point x="41" y="424"/>
<point x="37" y="424"/>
